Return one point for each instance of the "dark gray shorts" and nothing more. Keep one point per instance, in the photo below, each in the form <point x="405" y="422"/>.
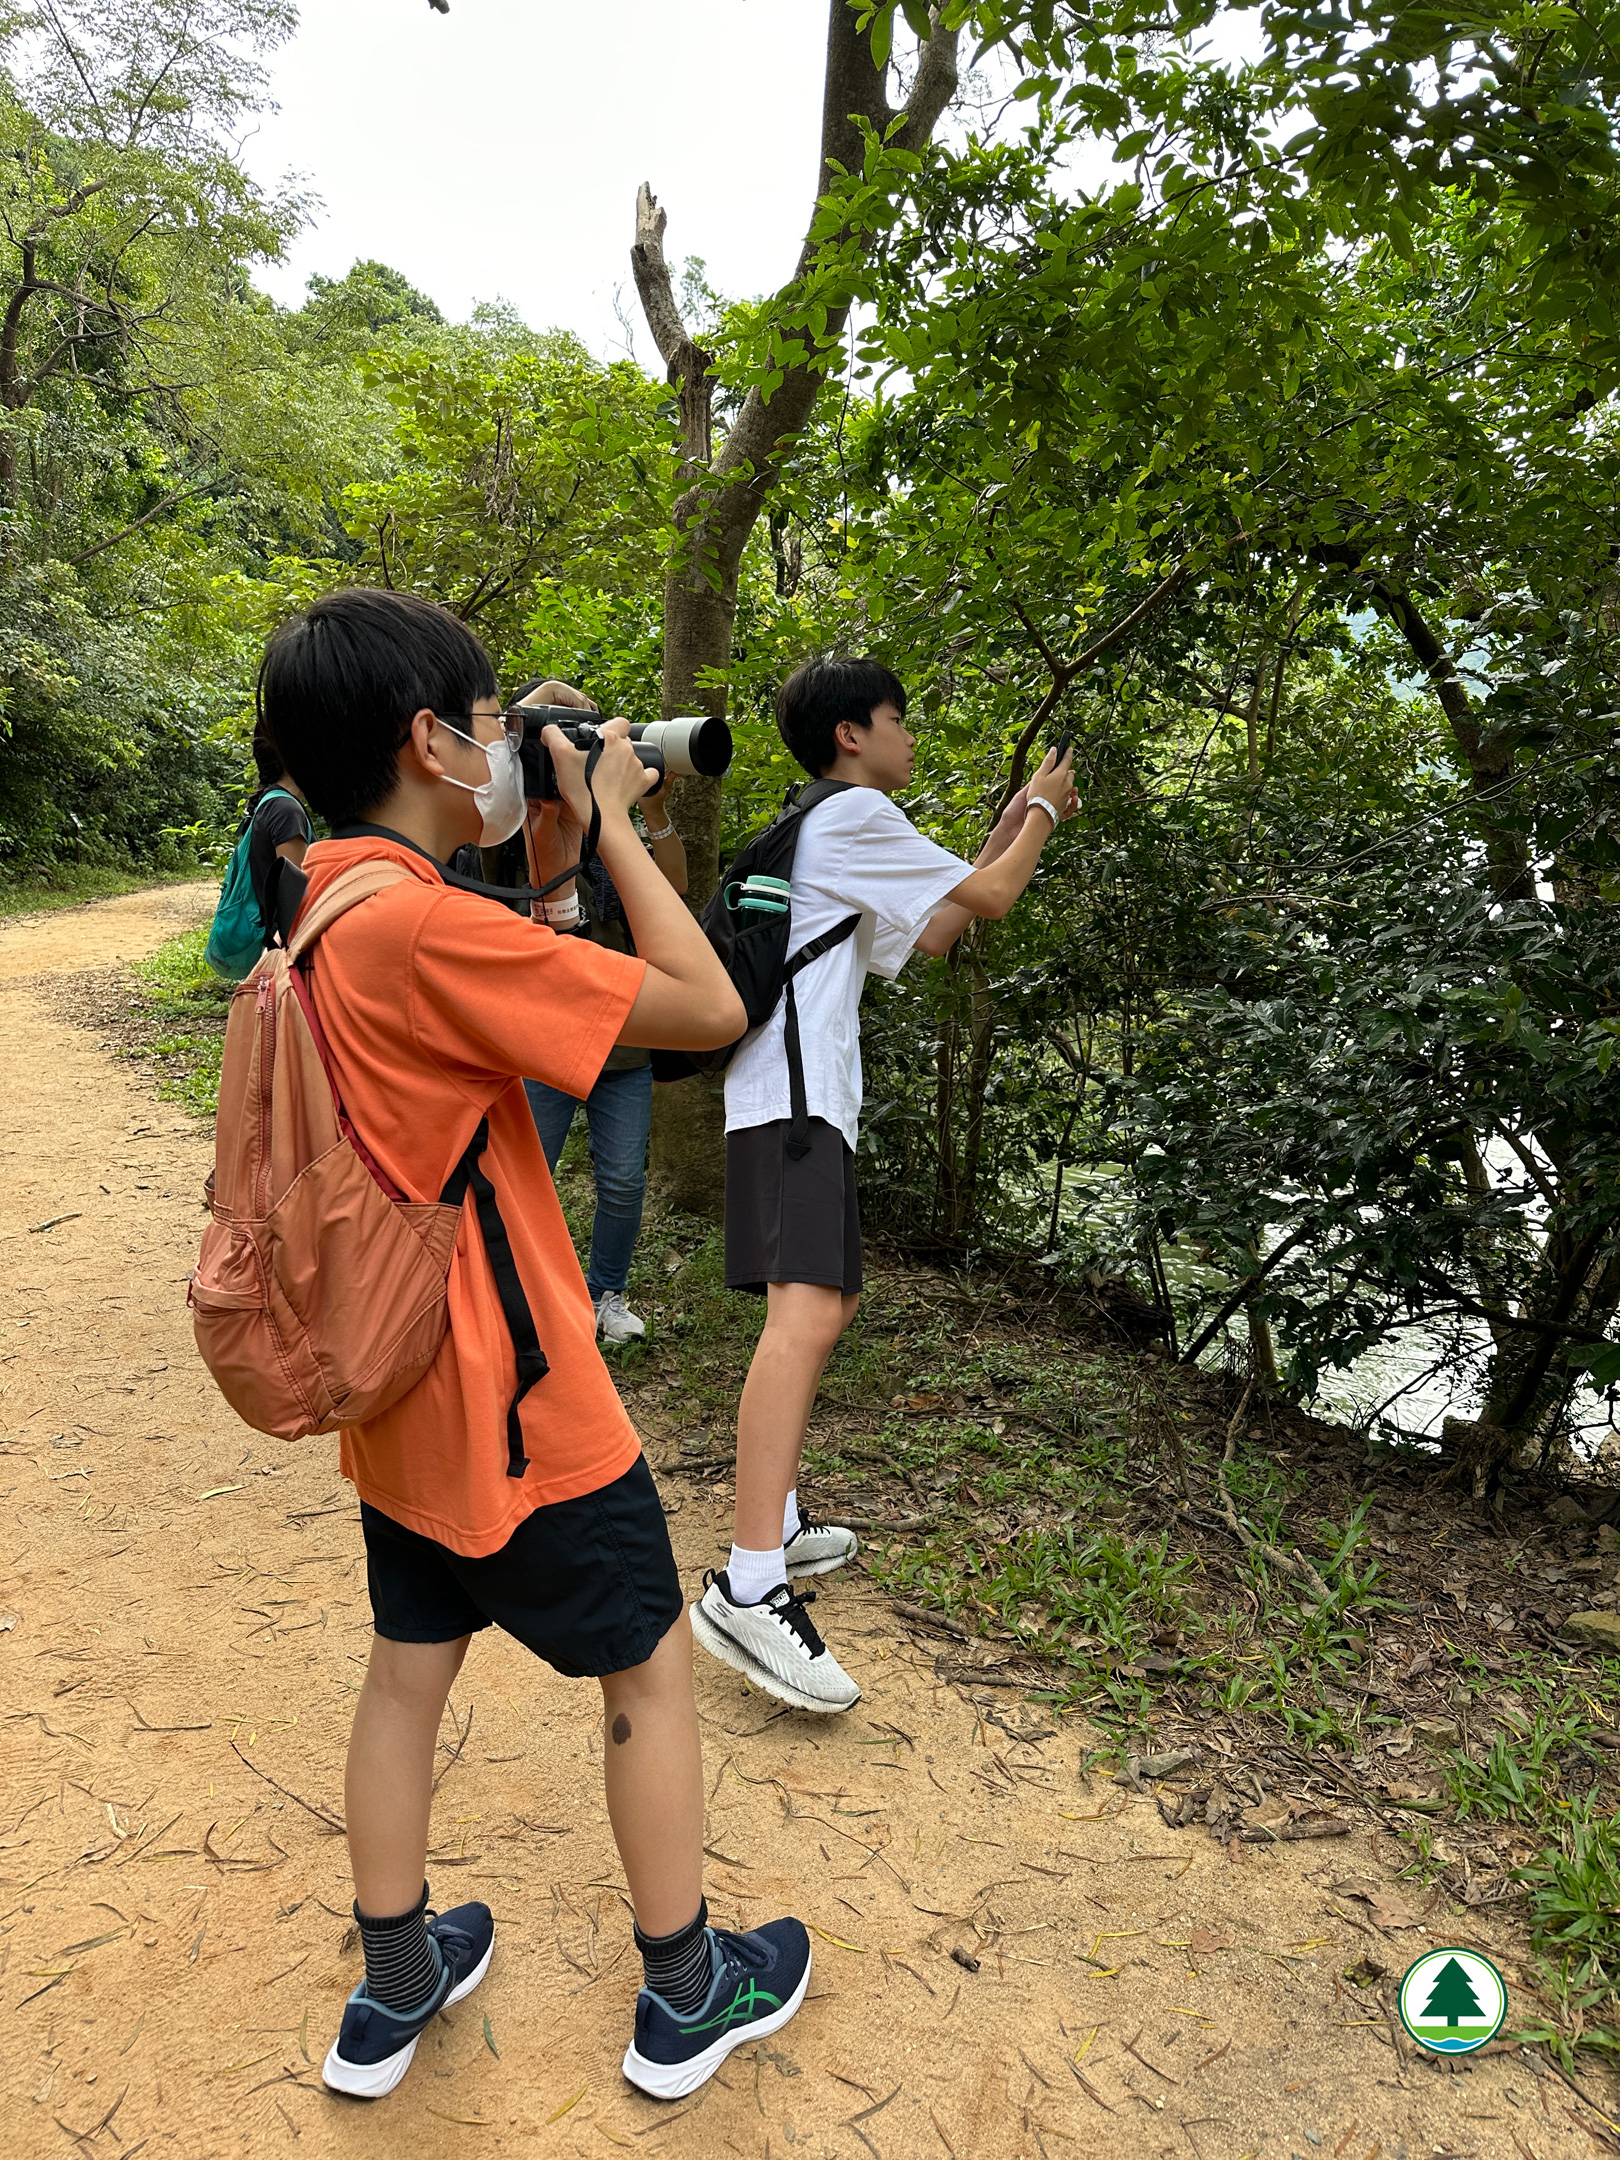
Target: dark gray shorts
<point x="791" y="1221"/>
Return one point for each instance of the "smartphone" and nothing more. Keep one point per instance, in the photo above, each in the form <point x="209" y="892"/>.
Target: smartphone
<point x="1063" y="745"/>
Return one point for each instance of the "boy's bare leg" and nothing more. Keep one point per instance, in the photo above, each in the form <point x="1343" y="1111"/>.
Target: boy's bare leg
<point x="653" y="1770"/>
<point x="388" y="1786"/>
<point x="803" y="1321"/>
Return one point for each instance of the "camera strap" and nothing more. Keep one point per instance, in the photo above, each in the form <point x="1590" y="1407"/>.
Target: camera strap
<point x="360" y="831"/>
<point x="530" y="1359"/>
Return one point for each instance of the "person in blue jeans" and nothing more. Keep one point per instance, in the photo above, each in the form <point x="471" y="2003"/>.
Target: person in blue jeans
<point x="618" y="1110"/>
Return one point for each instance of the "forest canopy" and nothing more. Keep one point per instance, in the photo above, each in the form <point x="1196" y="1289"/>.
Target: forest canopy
<point x="1235" y="391"/>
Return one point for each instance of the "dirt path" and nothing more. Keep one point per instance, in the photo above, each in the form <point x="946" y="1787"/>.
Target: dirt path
<point x="183" y="1623"/>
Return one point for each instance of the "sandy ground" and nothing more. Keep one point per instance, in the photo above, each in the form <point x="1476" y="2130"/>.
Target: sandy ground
<point x="183" y="1624"/>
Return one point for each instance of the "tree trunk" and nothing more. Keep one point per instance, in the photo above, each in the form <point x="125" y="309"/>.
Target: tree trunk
<point x="944" y="1216"/>
<point x="1528" y="1363"/>
<point x="981" y="1010"/>
<point x="722" y="501"/>
<point x="1490" y="762"/>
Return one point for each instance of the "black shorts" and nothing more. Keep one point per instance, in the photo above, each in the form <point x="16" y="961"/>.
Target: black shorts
<point x="790" y="1221"/>
<point x="589" y="1585"/>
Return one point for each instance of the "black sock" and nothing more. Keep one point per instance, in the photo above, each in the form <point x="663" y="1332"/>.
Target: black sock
<point x="680" y="1967"/>
<point x="403" y="1964"/>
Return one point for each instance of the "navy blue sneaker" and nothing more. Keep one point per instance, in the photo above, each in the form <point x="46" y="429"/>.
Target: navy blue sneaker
<point x="373" y="2050"/>
<point x="759" y="1981"/>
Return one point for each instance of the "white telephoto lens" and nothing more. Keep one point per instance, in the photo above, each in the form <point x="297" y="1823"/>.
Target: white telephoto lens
<point x="700" y="745"/>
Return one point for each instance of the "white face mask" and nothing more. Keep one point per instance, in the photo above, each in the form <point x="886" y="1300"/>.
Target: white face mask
<point x="500" y="797"/>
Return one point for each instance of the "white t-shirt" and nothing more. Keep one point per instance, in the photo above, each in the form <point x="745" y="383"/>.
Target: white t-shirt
<point x="858" y="853"/>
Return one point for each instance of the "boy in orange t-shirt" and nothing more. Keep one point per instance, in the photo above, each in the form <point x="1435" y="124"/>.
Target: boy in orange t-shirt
<point x="504" y="1489"/>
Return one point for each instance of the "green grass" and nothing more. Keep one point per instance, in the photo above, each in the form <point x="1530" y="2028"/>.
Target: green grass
<point x="1573" y="1889"/>
<point x="70" y="885"/>
<point x="184" y="995"/>
<point x="1523" y="1774"/>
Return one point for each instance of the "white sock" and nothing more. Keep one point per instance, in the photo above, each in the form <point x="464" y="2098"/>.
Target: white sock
<point x="790" y="1515"/>
<point x="754" y="1575"/>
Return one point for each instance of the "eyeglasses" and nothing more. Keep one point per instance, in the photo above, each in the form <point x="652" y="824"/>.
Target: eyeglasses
<point x="512" y="722"/>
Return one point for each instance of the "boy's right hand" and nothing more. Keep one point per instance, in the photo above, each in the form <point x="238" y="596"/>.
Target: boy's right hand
<point x="619" y="781"/>
<point x="1054" y="783"/>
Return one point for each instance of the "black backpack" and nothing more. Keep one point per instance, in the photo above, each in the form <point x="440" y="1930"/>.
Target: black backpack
<point x="749" y="922"/>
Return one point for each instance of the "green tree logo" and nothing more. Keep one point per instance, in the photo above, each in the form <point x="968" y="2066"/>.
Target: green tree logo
<point x="1452" y="2001"/>
<point x="1452" y="1997"/>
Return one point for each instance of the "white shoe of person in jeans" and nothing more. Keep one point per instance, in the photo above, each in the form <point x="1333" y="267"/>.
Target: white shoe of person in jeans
<point x="615" y="1322"/>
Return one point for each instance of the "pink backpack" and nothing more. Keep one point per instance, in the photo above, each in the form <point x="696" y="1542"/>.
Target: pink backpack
<point x="319" y="1297"/>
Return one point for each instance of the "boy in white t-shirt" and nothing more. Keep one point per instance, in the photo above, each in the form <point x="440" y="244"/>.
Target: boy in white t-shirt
<point x="793" y="1231"/>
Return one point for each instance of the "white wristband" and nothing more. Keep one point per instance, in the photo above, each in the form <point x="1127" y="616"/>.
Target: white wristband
<point x="1039" y="802"/>
<point x="561" y="914"/>
<point x="663" y="831"/>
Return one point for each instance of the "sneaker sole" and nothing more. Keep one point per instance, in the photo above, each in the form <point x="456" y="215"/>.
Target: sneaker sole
<point x="797" y="1573"/>
<point x="673" y="2081"/>
<point x="729" y="1653"/>
<point x="371" y="2081"/>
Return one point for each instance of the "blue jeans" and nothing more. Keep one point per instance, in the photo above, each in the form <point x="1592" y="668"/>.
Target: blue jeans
<point x="618" y="1114"/>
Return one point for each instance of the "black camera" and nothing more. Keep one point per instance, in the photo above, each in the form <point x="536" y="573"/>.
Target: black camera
<point x="685" y="748"/>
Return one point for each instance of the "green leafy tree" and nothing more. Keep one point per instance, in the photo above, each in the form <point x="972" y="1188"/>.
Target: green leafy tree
<point x="518" y="462"/>
<point x="126" y="233"/>
<point x="1159" y="457"/>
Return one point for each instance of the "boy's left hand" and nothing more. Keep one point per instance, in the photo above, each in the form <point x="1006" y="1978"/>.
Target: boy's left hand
<point x="1007" y="827"/>
<point x="561" y="693"/>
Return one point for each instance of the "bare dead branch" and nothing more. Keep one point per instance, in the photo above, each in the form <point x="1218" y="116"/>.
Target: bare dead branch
<point x="651" y="273"/>
<point x="455" y="1752"/>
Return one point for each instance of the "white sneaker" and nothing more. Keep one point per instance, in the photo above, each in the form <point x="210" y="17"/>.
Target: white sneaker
<point x="774" y="1645"/>
<point x="615" y="1322"/>
<point x="816" y="1548"/>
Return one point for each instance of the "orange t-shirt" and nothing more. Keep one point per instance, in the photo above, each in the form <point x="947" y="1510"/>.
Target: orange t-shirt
<point x="435" y="1004"/>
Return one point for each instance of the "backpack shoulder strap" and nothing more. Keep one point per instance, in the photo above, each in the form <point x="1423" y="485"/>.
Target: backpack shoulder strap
<point x="819" y="945"/>
<point x="798" y="1140"/>
<point x="286" y="795"/>
<point x="811" y="792"/>
<point x="359" y="882"/>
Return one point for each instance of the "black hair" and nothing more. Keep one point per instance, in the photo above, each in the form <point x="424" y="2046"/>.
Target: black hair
<point x="340" y="684"/>
<point x="817" y="697"/>
<point x="271" y="771"/>
<point x="267" y="757"/>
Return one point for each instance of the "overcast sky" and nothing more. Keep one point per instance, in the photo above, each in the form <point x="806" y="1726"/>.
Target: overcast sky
<point x="495" y="152"/>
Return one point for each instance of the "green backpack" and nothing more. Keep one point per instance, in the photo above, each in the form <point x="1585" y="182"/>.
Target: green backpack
<point x="237" y="936"/>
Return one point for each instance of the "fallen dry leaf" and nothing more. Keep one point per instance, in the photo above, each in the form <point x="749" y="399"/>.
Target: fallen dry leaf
<point x="1205" y="1940"/>
<point x="1386" y="1910"/>
<point x="1270" y="1814"/>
